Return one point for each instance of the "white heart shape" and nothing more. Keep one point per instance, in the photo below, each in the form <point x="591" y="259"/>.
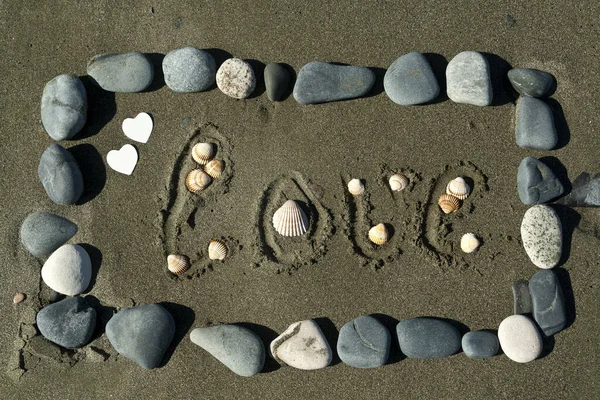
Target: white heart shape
<point x="123" y="160"/>
<point x="138" y="128"/>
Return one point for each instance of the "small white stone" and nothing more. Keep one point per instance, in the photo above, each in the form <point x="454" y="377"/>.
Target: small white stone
<point x="236" y="78"/>
<point x="302" y="346"/>
<point x="68" y="270"/>
<point x="541" y="233"/>
<point x="468" y="79"/>
<point x="520" y="339"/>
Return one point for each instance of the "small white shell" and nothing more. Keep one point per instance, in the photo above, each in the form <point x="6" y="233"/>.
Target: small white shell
<point x="214" y="168"/>
<point x="217" y="250"/>
<point x="398" y="182"/>
<point x="197" y="180"/>
<point x="355" y="187"/>
<point x="458" y="188"/>
<point x="469" y="242"/>
<point x="378" y="234"/>
<point x="290" y="219"/>
<point x="178" y="264"/>
<point x="203" y="153"/>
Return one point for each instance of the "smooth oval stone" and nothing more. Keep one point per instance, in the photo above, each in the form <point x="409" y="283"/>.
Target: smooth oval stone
<point x="64" y="107"/>
<point x="536" y="183"/>
<point x="42" y="233"/>
<point x="468" y="79"/>
<point x="520" y="339"/>
<point x="189" y="70"/>
<point x="60" y="175"/>
<point x="277" y="80"/>
<point x="321" y="82"/>
<point x="535" y="127"/>
<point x="427" y="338"/>
<point x="236" y="78"/>
<point x="68" y="270"/>
<point x="585" y="192"/>
<point x="521" y="297"/>
<point x="541" y="233"/>
<point x="480" y="344"/>
<point x="364" y="343"/>
<point x="549" y="308"/>
<point x="410" y="80"/>
<point x="142" y="334"/>
<point x="240" y="349"/>
<point x="70" y="323"/>
<point x="531" y="82"/>
<point x="302" y="346"/>
<point x="127" y="72"/>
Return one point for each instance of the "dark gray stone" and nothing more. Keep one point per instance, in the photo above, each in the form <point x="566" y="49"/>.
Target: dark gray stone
<point x="320" y="82"/>
<point x="70" y="323"/>
<point x="428" y="338"/>
<point x="364" y="343"/>
<point x="277" y="80"/>
<point x="531" y="82"/>
<point x="410" y="80"/>
<point x="64" y="107"/>
<point x="60" y="175"/>
<point x="240" y="349"/>
<point x="535" y="127"/>
<point x="142" y="334"/>
<point x="480" y="344"/>
<point x="585" y="192"/>
<point x="189" y="70"/>
<point x="536" y="183"/>
<point x="127" y="72"/>
<point x="522" y="298"/>
<point x="42" y="233"/>
<point x="549" y="308"/>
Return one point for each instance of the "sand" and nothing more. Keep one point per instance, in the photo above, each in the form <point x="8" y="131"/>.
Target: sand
<point x="284" y="150"/>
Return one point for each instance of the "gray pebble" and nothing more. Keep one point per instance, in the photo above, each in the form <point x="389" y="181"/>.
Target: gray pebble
<point x="521" y="297"/>
<point x="60" y="175"/>
<point x="364" y="343"/>
<point x="535" y="127"/>
<point x="410" y="80"/>
<point x="127" y="72"/>
<point x="549" y="308"/>
<point x="536" y="183"/>
<point x="64" y="107"/>
<point x="585" y="192"/>
<point x="277" y="80"/>
<point x="70" y="323"/>
<point x="42" y="233"/>
<point x="531" y="82"/>
<point x="541" y="234"/>
<point x="428" y="338"/>
<point x="189" y="70"/>
<point x="468" y="79"/>
<point x="480" y="344"/>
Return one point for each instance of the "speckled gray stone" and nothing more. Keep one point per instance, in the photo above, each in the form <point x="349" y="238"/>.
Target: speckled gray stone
<point x="428" y="338"/>
<point x="541" y="233"/>
<point x="70" y="323"/>
<point x="535" y="127"/>
<point x="549" y="307"/>
<point x="468" y="79"/>
<point x="189" y="70"/>
<point x="364" y="343"/>
<point x="585" y="192"/>
<point x="127" y="72"/>
<point x="480" y="344"/>
<point x="64" y="107"/>
<point x="277" y="80"/>
<point x="410" y="80"/>
<point x="60" y="175"/>
<point x="321" y="82"/>
<point x="531" y="82"/>
<point x="521" y="297"/>
<point x="42" y="233"/>
<point x="240" y="349"/>
<point x="536" y="183"/>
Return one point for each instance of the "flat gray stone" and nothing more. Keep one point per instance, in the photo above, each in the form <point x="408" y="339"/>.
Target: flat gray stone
<point x="277" y="80"/>
<point x="535" y="127"/>
<point x="321" y="82"/>
<point x="68" y="270"/>
<point x="42" y="233"/>
<point x="536" y="183"/>
<point x="64" y="107"/>
<point x="364" y="343"/>
<point x="410" y="80"/>
<point x="541" y="234"/>
<point x="240" y="349"/>
<point x="69" y="323"/>
<point x="189" y="70"/>
<point x="549" y="307"/>
<point x="521" y="297"/>
<point x="127" y="72"/>
<point x="531" y="82"/>
<point x="480" y="344"/>
<point x="585" y="192"/>
<point x="142" y="334"/>
<point x="468" y="79"/>
<point x="60" y="175"/>
<point x="428" y="338"/>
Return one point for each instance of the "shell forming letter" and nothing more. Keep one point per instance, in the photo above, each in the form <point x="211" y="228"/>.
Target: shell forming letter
<point x="217" y="250"/>
<point x="214" y="168"/>
<point x="290" y="219"/>
<point x="398" y="182"/>
<point x="197" y="180"/>
<point x="203" y="153"/>
<point x="355" y="187"/>
<point x="469" y="242"/>
<point x="178" y="264"/>
<point x="449" y="203"/>
<point x="458" y="188"/>
<point x="378" y="234"/>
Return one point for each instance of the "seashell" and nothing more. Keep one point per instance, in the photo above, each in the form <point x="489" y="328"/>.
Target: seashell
<point x="178" y="264"/>
<point x="19" y="298"/>
<point x="458" y="188"/>
<point x="214" y="168"/>
<point x="398" y="182"/>
<point x="203" y="153"/>
<point x="469" y="242"/>
<point x="290" y="219"/>
<point x="449" y="203"/>
<point x="355" y="187"/>
<point x="217" y="250"/>
<point x="378" y="234"/>
<point x="197" y="180"/>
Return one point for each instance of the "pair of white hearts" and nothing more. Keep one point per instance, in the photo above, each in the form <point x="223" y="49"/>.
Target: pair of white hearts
<point x="138" y="129"/>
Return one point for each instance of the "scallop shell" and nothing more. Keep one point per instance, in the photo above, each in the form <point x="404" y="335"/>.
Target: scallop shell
<point x="469" y="242"/>
<point x="378" y="234"/>
<point x="203" y="153"/>
<point x="398" y="182"/>
<point x="197" y="180"/>
<point x="217" y="250"/>
<point x="214" y="168"/>
<point x="458" y="188"/>
<point x="19" y="297"/>
<point x="178" y="264"/>
<point x="290" y="219"/>
<point x="449" y="203"/>
<point x="355" y="187"/>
